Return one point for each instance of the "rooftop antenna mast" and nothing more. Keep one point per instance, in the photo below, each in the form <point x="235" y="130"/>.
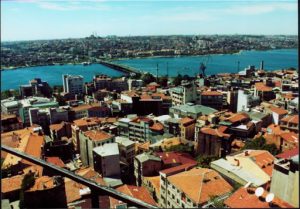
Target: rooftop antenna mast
<point x="167" y="69"/>
<point x="156" y="72"/>
<point x="203" y="66"/>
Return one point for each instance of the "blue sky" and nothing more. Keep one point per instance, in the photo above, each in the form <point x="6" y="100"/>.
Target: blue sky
<point x="33" y="19"/>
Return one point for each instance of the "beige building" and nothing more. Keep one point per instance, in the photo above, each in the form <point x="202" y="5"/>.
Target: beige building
<point x="187" y="128"/>
<point x="192" y="188"/>
<point x="253" y="166"/>
<point x="285" y="180"/>
<point x="185" y="93"/>
<point x="89" y="140"/>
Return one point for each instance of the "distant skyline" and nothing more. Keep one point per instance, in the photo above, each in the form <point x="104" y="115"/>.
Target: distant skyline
<point x="35" y="20"/>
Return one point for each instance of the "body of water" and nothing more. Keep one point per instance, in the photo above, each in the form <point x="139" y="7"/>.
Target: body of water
<point x="228" y="63"/>
<point x="12" y="79"/>
<point x="218" y="63"/>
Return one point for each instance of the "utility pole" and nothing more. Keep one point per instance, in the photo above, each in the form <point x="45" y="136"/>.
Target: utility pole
<point x="156" y="72"/>
<point x="167" y="70"/>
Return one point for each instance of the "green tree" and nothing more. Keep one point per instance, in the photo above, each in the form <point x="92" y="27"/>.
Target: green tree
<point x="27" y="182"/>
<point x="259" y="143"/>
<point x="177" y="80"/>
<point x="180" y="148"/>
<point x="148" y="78"/>
<point x="216" y="202"/>
<point x="61" y="101"/>
<point x="9" y="93"/>
<point x="163" y="81"/>
<point x="204" y="161"/>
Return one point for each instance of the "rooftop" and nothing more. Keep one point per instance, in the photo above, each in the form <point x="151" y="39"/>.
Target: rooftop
<point x="246" y="198"/>
<point x="199" y="184"/>
<point x="96" y="135"/>
<point x="196" y="109"/>
<point x="107" y="149"/>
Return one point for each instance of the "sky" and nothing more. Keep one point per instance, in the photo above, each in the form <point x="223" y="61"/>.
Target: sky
<point x="42" y="19"/>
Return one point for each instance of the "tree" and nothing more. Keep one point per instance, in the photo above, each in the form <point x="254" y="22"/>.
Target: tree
<point x="61" y="101"/>
<point x="148" y="78"/>
<point x="27" y="182"/>
<point x="204" y="161"/>
<point x="260" y="144"/>
<point x="9" y="93"/>
<point x="180" y="148"/>
<point x="163" y="81"/>
<point x="177" y="80"/>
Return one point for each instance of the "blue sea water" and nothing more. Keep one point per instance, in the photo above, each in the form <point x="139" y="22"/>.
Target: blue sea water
<point x="273" y="60"/>
<point x="227" y="63"/>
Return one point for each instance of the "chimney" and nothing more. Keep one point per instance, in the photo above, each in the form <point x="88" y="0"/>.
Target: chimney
<point x="238" y="162"/>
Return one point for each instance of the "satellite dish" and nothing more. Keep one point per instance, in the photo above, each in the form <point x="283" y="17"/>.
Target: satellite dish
<point x="259" y="191"/>
<point x="269" y="197"/>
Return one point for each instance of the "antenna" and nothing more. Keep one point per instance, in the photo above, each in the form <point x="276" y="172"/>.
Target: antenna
<point x="269" y="197"/>
<point x="259" y="191"/>
<point x="156" y="72"/>
<point x="167" y="69"/>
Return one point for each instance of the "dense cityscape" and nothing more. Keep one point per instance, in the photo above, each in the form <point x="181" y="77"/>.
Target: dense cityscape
<point x="93" y="48"/>
<point x="149" y="104"/>
<point x="226" y="140"/>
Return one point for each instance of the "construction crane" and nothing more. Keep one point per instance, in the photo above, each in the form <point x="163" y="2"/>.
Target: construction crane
<point x="203" y="65"/>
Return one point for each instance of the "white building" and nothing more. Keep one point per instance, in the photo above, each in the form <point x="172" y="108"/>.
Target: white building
<point x="107" y="160"/>
<point x="73" y="84"/>
<point x="246" y="100"/>
<point x="185" y="93"/>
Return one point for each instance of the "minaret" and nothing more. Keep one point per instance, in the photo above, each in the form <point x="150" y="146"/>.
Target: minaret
<point x="262" y="65"/>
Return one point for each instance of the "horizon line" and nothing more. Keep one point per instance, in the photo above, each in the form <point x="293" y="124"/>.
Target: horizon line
<point x="123" y="36"/>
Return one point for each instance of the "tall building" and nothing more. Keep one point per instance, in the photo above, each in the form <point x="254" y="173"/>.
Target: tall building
<point x="185" y="93"/>
<point x="107" y="160"/>
<point x="73" y="84"/>
<point x="285" y="180"/>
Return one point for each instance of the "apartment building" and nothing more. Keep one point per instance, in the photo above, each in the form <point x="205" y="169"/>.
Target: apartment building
<point x="285" y="180"/>
<point x="192" y="188"/>
<point x="213" y="99"/>
<point x="107" y="160"/>
<point x="185" y="93"/>
<point x="290" y="122"/>
<point x="89" y="140"/>
<point x="73" y="84"/>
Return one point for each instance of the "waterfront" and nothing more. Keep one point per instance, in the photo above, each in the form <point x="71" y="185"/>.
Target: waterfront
<point x="217" y="63"/>
<point x="273" y="59"/>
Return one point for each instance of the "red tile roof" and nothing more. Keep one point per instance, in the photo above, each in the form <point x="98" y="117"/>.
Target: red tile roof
<point x="262" y="87"/>
<point x="157" y="126"/>
<point x="278" y="110"/>
<point x="187" y="121"/>
<point x="290" y="137"/>
<point x="175" y="158"/>
<point x="11" y="184"/>
<point x="211" y="93"/>
<point x="96" y="135"/>
<point x="291" y="119"/>
<point x="289" y="153"/>
<point x="134" y="191"/>
<point x="200" y="184"/>
<point x="214" y="132"/>
<point x="55" y="161"/>
<point x="244" y="199"/>
<point x="238" y="117"/>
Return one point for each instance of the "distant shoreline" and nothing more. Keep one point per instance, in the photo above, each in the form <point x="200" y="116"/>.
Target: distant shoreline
<point x="128" y="58"/>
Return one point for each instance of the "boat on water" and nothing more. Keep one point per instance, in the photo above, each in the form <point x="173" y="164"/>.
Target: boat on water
<point x="86" y="63"/>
